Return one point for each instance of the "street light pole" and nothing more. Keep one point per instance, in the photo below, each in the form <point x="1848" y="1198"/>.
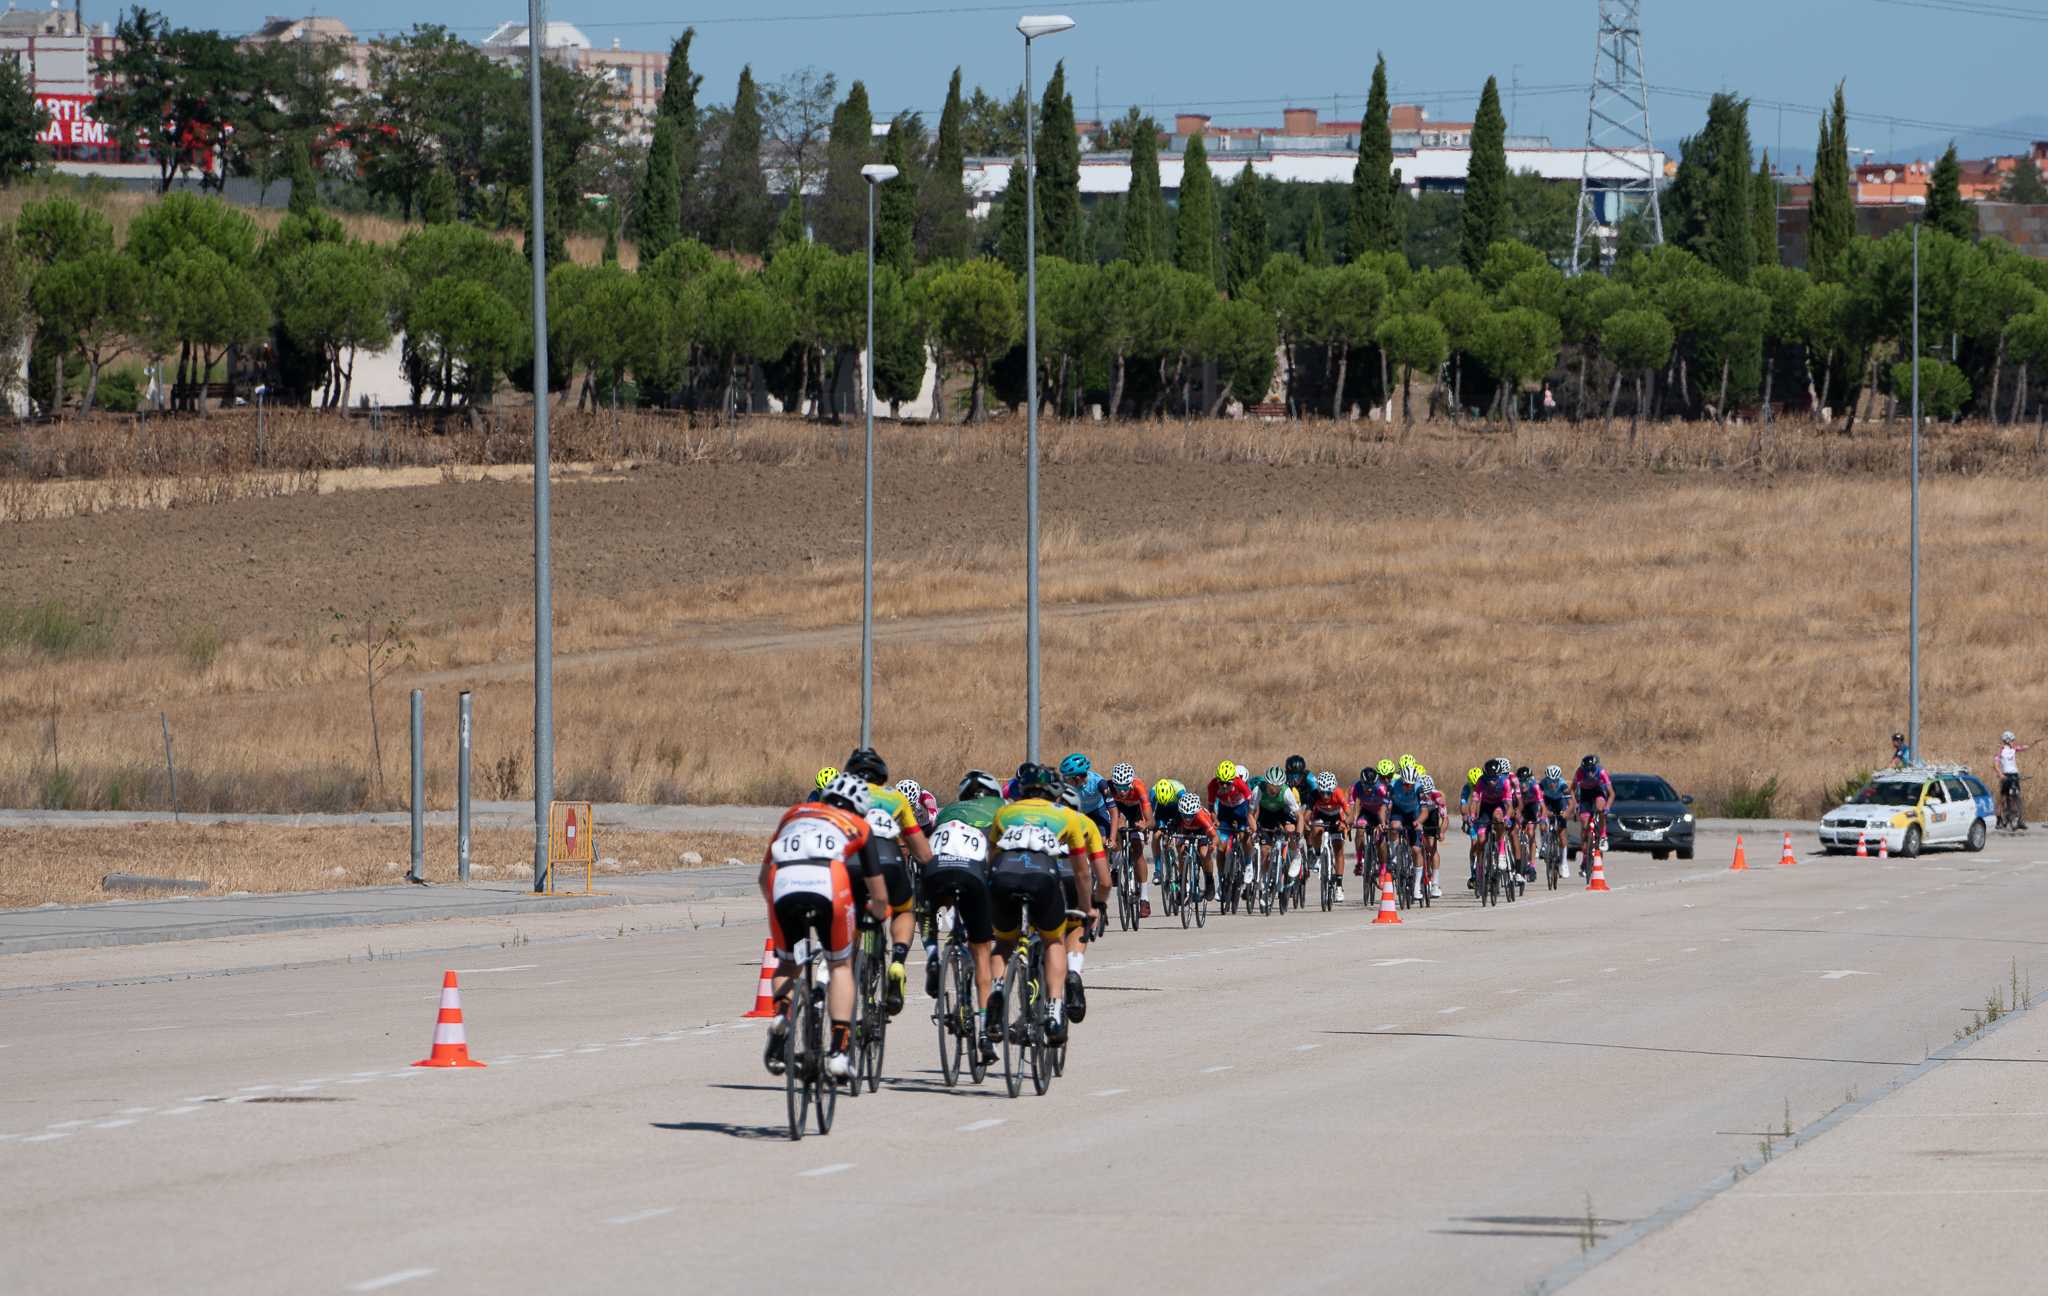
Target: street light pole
<point x="1913" y="577"/>
<point x="875" y="176"/>
<point x="543" y="591"/>
<point x="1032" y="28"/>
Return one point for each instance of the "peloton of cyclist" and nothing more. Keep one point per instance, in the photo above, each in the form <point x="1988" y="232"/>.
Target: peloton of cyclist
<point x="1327" y="811"/>
<point x="1130" y="802"/>
<point x="1594" y="792"/>
<point x="959" y="876"/>
<point x="1178" y="811"/>
<point x="897" y="833"/>
<point x="808" y="875"/>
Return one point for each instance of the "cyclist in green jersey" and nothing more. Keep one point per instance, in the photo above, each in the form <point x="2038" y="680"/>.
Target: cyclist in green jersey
<point x="958" y="875"/>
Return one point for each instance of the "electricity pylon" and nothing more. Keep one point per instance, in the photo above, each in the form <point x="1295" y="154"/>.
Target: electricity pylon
<point x="1620" y="173"/>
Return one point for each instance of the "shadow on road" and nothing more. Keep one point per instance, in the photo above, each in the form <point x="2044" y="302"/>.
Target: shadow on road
<point x="779" y="1133"/>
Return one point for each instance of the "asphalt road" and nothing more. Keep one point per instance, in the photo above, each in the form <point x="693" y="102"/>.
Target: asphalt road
<point x="1300" y="1104"/>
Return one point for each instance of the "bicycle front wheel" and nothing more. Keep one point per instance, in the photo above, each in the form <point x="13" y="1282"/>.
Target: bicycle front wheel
<point x="948" y="1013"/>
<point x="1016" y="1009"/>
<point x="794" y="1036"/>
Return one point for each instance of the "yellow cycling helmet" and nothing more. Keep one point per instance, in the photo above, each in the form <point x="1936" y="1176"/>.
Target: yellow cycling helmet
<point x="1385" y="769"/>
<point x="1164" y="790"/>
<point x="826" y="775"/>
<point x="1421" y="770"/>
<point x="1226" y="771"/>
<point x="1407" y="761"/>
<point x="1473" y="775"/>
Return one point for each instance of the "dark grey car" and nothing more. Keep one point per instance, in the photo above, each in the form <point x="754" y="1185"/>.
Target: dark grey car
<point x="1647" y="815"/>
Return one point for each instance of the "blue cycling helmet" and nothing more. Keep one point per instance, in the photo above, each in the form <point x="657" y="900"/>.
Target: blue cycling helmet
<point x="1075" y="766"/>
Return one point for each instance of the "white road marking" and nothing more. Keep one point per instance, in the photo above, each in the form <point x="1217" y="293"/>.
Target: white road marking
<point x="70" y="1124"/>
<point x="1566" y="980"/>
<point x="510" y="967"/>
<point x="366" y="1075"/>
<point x="975" y="1127"/>
<point x="1445" y="1012"/>
<point x="1305" y="1048"/>
<point x="262" y="1088"/>
<point x="821" y="1171"/>
<point x="638" y="1216"/>
<point x="1690" y="949"/>
<point x="1107" y="1093"/>
<point x="1515" y="990"/>
<point x="600" y="1048"/>
<point x="204" y="1098"/>
<point x="1610" y="969"/>
<point x="1399" y="961"/>
<point x="563" y="981"/>
<point x="179" y="1111"/>
<point x="113" y="1124"/>
<point x="144" y="1030"/>
<point x="46" y="1138"/>
<point x="1212" y="1070"/>
<point x="390" y="1280"/>
<point x="1840" y="973"/>
<point x="310" y="1012"/>
<point x="1388" y="1026"/>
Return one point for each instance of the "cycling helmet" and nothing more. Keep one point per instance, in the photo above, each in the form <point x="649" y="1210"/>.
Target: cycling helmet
<point x="1075" y="766"/>
<point x="1070" y="797"/>
<point x="1297" y="764"/>
<point x="1385" y="769"/>
<point x="1428" y="785"/>
<point x="1522" y="773"/>
<point x="1036" y="779"/>
<point x="868" y="763"/>
<point x="848" y="792"/>
<point x="912" y="791"/>
<point x="1190" y="804"/>
<point x="1898" y="738"/>
<point x="1496" y="767"/>
<point x="1406" y="762"/>
<point x="1226" y="771"/>
<point x="1472" y="775"/>
<point x="1589" y="763"/>
<point x="1275" y="777"/>
<point x="1552" y="772"/>
<point x="1163" y="790"/>
<point x="1121" y="776"/>
<point x="977" y="784"/>
<point x="1326" y="782"/>
<point x="1408" y="774"/>
<point x="2008" y="736"/>
<point x="825" y="776"/>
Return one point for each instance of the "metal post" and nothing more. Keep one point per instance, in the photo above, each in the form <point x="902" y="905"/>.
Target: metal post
<point x="462" y="750"/>
<point x="170" y="766"/>
<point x="419" y="783"/>
<point x="1913" y="578"/>
<point x="543" y="594"/>
<point x="867" y="559"/>
<point x="1031" y="416"/>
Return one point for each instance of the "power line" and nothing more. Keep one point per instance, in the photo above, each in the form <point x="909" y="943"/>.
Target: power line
<point x="1973" y="8"/>
<point x="755" y="19"/>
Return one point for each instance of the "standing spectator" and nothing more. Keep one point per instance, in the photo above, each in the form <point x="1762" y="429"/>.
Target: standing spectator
<point x="1902" y="755"/>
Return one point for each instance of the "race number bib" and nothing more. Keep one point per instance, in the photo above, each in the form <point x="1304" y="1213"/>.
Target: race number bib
<point x="883" y="824"/>
<point x="803" y="879"/>
<point x="1030" y="837"/>
<point x="808" y="840"/>
<point x="956" y="840"/>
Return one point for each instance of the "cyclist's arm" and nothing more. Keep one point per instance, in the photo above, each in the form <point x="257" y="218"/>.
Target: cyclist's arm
<point x="868" y="863"/>
<point x="767" y="879"/>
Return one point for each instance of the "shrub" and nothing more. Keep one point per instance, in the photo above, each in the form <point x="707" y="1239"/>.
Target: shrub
<point x="55" y="629"/>
<point x="1747" y="801"/>
<point x="199" y="645"/>
<point x="120" y="391"/>
<point x="1837" y="793"/>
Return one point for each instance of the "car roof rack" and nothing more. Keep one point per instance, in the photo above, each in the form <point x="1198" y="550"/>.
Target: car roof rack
<point x="1920" y="769"/>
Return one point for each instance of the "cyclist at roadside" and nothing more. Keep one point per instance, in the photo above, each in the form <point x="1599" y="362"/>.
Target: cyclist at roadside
<point x="1230" y="800"/>
<point x="1433" y="815"/>
<point x="1369" y="798"/>
<point x="808" y="877"/>
<point x="1181" y="814"/>
<point x="897" y="835"/>
<point x="1033" y="834"/>
<point x="1594" y="792"/>
<point x="959" y="876"/>
<point x="1404" y="806"/>
<point x="2008" y="762"/>
<point x="1327" y="811"/>
<point x="1131" y="802"/>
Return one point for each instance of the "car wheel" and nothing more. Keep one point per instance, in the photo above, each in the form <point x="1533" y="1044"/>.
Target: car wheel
<point x="1976" y="841"/>
<point x="1910" y="847"/>
<point x="1660" y="855"/>
<point x="1685" y="852"/>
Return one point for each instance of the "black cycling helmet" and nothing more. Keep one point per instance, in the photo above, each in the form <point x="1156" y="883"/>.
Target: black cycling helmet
<point x="868" y="763"/>
<point x="1898" y="738"/>
<point x="1297" y="765"/>
<point x="1496" y="767"/>
<point x="1522" y="772"/>
<point x="1589" y="763"/>
<point x="976" y="784"/>
<point x="1041" y="779"/>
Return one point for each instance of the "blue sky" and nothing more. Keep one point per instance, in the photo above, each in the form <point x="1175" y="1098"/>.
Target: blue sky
<point x="1910" y="59"/>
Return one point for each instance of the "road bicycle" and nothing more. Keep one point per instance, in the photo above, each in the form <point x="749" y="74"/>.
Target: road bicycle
<point x="1270" y="880"/>
<point x="870" y="1007"/>
<point x="811" y="1093"/>
<point x="1231" y="872"/>
<point x="1400" y="862"/>
<point x="953" y="1010"/>
<point x="1026" y="1016"/>
<point x="1191" y="896"/>
<point x="1323" y="859"/>
<point x="2011" y="813"/>
<point x="1124" y="868"/>
<point x="1550" y="846"/>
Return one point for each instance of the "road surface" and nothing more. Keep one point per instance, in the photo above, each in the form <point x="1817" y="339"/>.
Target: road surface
<point x="1310" y="1103"/>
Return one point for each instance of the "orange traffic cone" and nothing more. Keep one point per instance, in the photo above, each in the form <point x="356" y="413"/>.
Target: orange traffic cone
<point x="1390" y="909"/>
<point x="451" y="1048"/>
<point x="1884" y="850"/>
<point x="1786" y="860"/>
<point x="1741" y="863"/>
<point x="764" y="993"/>
<point x="1862" y="847"/>
<point x="1599" y="882"/>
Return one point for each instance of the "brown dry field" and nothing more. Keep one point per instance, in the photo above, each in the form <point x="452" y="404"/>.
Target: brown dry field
<point x="1721" y="627"/>
<point x="65" y="865"/>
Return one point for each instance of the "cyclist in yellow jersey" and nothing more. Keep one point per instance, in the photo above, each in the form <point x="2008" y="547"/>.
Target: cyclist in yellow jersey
<point x="896" y="833"/>
<point x="1035" y="817"/>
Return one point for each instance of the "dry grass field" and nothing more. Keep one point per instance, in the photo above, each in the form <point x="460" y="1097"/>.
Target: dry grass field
<point x="1674" y="606"/>
<point x="65" y="865"/>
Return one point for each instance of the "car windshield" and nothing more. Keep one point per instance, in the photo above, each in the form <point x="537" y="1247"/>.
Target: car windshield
<point x="1632" y="787"/>
<point x="1890" y="794"/>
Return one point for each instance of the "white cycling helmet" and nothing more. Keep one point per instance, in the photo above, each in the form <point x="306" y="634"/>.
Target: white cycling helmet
<point x="1121" y="776"/>
<point x="848" y="792"/>
<point x="1326" y="782"/>
<point x="2008" y="736"/>
<point x="1427" y="785"/>
<point x="1552" y="772"/>
<point x="910" y="789"/>
<point x="1190" y="804"/>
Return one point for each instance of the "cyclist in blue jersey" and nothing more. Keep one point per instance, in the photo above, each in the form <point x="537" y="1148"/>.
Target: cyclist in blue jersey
<point x="1404" y="805"/>
<point x="1091" y="794"/>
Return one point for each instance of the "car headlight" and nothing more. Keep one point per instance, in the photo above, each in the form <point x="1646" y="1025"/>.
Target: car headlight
<point x="1685" y="819"/>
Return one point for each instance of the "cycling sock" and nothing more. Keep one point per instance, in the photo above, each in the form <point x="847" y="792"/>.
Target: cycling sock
<point x="1074" y="962"/>
<point x="842" y="1037"/>
<point x="898" y="952"/>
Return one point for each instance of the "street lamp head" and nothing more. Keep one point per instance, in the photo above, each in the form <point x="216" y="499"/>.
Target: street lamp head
<point x="1035" y="25"/>
<point x="878" y="173"/>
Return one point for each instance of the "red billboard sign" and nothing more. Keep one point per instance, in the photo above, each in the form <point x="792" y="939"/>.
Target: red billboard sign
<point x="71" y="122"/>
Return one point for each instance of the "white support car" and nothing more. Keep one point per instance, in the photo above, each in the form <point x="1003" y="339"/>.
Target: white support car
<point x="1910" y="809"/>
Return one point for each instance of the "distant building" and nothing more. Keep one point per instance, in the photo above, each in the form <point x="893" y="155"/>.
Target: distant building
<point x="636" y="78"/>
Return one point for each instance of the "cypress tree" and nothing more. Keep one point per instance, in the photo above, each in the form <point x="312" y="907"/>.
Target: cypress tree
<point x="840" y="220"/>
<point x="1482" y="217"/>
<point x="944" y="231"/>
<point x="1372" y="227"/>
<point x="1730" y="241"/>
<point x="1248" y="249"/>
<point x="1946" y="210"/>
<point x="1314" y="251"/>
<point x="678" y="107"/>
<point x="740" y="190"/>
<point x="1834" y="211"/>
<point x="1144" y="208"/>
<point x="896" y="204"/>
<point x="437" y="197"/>
<point x="610" y="255"/>
<point x="1196" y="232"/>
<point x="657" y="202"/>
<point x="789" y="226"/>
<point x="1059" y="167"/>
<point x="305" y="198"/>
<point x="1765" y="199"/>
<point x="1010" y="243"/>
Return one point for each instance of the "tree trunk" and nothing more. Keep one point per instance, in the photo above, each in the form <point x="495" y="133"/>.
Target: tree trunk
<point x="1685" y="385"/>
<point x="1756" y="442"/>
<point x="1721" y="400"/>
<point x="1997" y="372"/>
<point x="92" y="383"/>
<point x="1287" y="380"/>
<point x="1457" y="389"/>
<point x="1386" y="387"/>
<point x="1116" y="387"/>
<point x="348" y="379"/>
<point x="1222" y="395"/>
<point x="1614" y="399"/>
<point x="1579" y="406"/>
<point x="1637" y="411"/>
<point x="1407" y="405"/>
<point x="974" y="411"/>
<point x="2019" y="394"/>
<point x="1343" y="371"/>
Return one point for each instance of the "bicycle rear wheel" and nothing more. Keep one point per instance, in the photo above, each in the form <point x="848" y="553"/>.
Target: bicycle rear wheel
<point x="947" y="1013"/>
<point x="1016" y="993"/>
<point x="796" y="1088"/>
<point x="824" y="1089"/>
<point x="1184" y="878"/>
<point x="963" y="973"/>
<point x="874" y="1040"/>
